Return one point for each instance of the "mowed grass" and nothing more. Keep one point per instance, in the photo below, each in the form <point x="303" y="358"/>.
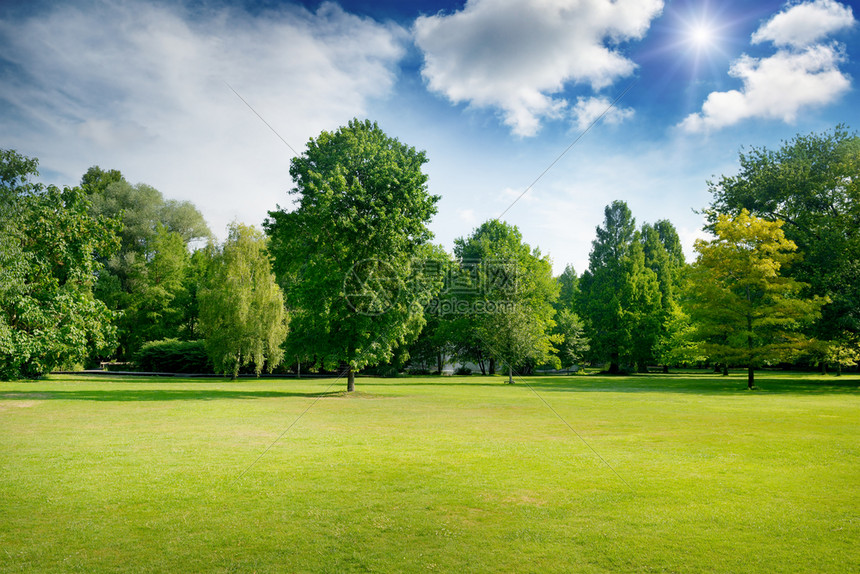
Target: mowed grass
<point x="677" y="473"/>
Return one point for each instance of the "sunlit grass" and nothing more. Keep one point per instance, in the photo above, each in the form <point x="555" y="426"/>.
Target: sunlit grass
<point x="678" y="473"/>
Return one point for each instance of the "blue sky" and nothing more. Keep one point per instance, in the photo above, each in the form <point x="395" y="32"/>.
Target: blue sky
<point x="494" y="90"/>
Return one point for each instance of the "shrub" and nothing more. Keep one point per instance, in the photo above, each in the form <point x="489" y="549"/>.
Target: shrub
<point x="172" y="356"/>
<point x="462" y="371"/>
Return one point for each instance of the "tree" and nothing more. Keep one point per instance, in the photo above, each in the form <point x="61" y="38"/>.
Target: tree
<point x="812" y="183"/>
<point x="568" y="285"/>
<point x="664" y="256"/>
<point x="571" y="342"/>
<point x="619" y="295"/>
<point x="242" y="313"/>
<point x="348" y="256"/>
<point x="511" y="296"/>
<point x="132" y="283"/>
<point x="48" y="243"/>
<point x="158" y="309"/>
<point x="745" y="310"/>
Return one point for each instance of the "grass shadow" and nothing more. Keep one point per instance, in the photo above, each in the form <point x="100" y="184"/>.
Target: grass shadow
<point x="121" y="395"/>
<point x="710" y="384"/>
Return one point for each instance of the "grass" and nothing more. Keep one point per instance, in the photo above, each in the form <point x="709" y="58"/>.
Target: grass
<point x="676" y="473"/>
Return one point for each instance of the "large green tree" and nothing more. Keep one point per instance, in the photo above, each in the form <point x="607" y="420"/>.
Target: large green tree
<point x="511" y="296"/>
<point x="48" y="247"/>
<point x="146" y="280"/>
<point x="663" y="255"/>
<point x="746" y="311"/>
<point x="349" y="255"/>
<point x="812" y="184"/>
<point x="619" y="294"/>
<point x="242" y="314"/>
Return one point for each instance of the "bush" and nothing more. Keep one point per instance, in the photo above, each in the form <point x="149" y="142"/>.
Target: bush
<point x="462" y="371"/>
<point x="385" y="370"/>
<point x="172" y="356"/>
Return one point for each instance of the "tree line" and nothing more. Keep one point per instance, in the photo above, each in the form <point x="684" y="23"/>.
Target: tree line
<point x="347" y="277"/>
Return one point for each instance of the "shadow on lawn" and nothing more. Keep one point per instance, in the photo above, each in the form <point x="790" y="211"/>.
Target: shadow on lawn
<point x="155" y="395"/>
<point x="709" y="384"/>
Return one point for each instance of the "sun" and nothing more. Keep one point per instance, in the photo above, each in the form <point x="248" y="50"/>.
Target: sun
<point x="702" y="36"/>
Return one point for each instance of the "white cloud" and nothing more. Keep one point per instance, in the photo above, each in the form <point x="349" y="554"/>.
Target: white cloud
<point x="141" y="87"/>
<point x="515" y="55"/>
<point x="467" y="216"/>
<point x="800" y="74"/>
<point x="776" y="87"/>
<point x="587" y="110"/>
<point x="803" y="24"/>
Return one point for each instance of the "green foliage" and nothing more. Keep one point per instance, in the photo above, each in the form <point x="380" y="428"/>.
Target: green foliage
<point x="745" y="310"/>
<point x="147" y="279"/>
<point x="667" y="323"/>
<point x="812" y="183"/>
<point x="173" y="356"/>
<point x="619" y="295"/>
<point x="571" y="341"/>
<point x="242" y="315"/>
<point x="158" y="309"/>
<point x="48" y="242"/>
<point x="511" y="299"/>
<point x="568" y="293"/>
<point x="349" y="255"/>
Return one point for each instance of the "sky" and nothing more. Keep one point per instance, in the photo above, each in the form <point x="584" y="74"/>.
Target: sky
<point x="542" y="112"/>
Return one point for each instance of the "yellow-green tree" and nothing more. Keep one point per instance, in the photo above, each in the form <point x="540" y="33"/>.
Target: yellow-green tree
<point x="242" y="313"/>
<point x="746" y="311"/>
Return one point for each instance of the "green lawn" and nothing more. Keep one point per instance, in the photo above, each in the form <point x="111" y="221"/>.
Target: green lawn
<point x="447" y="474"/>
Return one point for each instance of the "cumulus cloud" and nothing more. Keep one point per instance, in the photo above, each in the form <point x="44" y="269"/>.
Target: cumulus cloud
<point x="142" y="87"/>
<point x="800" y="74"/>
<point x="516" y="55"/>
<point x="776" y="87"/>
<point x="587" y="110"/>
<point x="804" y="24"/>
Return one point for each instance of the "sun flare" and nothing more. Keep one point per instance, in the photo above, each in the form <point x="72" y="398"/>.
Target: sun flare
<point x="701" y="35"/>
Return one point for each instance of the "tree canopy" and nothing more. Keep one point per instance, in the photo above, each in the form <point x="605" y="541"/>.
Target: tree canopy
<point x="511" y="296"/>
<point x="746" y="310"/>
<point x="349" y="255"/>
<point x="812" y="184"/>
<point x="242" y="313"/>
<point x="619" y="294"/>
<point x="48" y="247"/>
<point x="145" y="280"/>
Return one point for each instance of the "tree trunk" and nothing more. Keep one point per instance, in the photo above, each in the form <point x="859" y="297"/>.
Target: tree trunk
<point x="614" y="369"/>
<point x="492" y="366"/>
<point x="665" y="369"/>
<point x="350" y="379"/>
<point x="838" y="369"/>
<point x="725" y="369"/>
<point x="823" y="367"/>
<point x="751" y="374"/>
<point x="439" y="362"/>
<point x="510" y="375"/>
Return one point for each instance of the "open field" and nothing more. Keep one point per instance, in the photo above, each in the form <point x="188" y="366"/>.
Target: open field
<point x="431" y="474"/>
